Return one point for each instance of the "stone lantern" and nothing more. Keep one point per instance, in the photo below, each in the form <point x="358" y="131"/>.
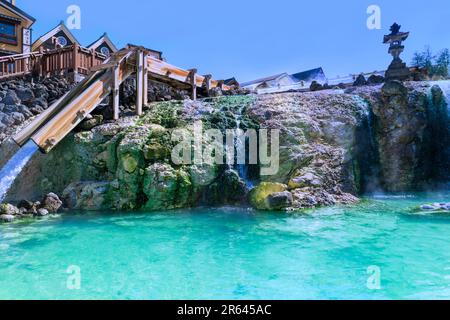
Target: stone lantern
<point x="397" y="69"/>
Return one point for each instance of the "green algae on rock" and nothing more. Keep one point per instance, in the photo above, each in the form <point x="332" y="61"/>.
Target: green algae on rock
<point x="333" y="147"/>
<point x="259" y="195"/>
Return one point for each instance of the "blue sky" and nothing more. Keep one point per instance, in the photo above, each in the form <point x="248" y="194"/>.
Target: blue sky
<point x="250" y="39"/>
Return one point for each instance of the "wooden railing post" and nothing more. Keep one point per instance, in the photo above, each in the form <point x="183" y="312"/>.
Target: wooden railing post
<point x="61" y="61"/>
<point x="220" y="84"/>
<point x="116" y="94"/>
<point x="92" y="59"/>
<point x="41" y="62"/>
<point x="75" y="60"/>
<point x="145" y="80"/>
<point x="191" y="79"/>
<point x="207" y="83"/>
<point x="139" y="81"/>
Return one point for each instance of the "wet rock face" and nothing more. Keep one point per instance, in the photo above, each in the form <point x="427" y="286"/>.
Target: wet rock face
<point x="317" y="142"/>
<point x="127" y="165"/>
<point x="86" y="195"/>
<point x="407" y="117"/>
<point x="22" y="99"/>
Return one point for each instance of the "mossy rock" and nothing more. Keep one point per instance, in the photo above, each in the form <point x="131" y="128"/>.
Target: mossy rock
<point x="259" y="195"/>
<point x="129" y="163"/>
<point x="166" y="188"/>
<point x="155" y="151"/>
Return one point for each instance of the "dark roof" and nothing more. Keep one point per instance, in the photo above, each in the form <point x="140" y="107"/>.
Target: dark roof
<point x="230" y="81"/>
<point x="308" y="75"/>
<point x="271" y="78"/>
<point x="103" y="35"/>
<point x="19" y="11"/>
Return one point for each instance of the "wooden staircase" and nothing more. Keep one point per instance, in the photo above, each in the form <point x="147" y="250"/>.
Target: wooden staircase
<point x="49" y="128"/>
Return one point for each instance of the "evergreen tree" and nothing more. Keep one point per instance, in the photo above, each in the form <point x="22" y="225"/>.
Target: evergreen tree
<point x="442" y="63"/>
<point x="437" y="65"/>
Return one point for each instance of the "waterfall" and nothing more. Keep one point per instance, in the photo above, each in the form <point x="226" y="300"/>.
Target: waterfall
<point x="445" y="87"/>
<point x="242" y="169"/>
<point x="367" y="166"/>
<point x="15" y="166"/>
<point x="437" y="151"/>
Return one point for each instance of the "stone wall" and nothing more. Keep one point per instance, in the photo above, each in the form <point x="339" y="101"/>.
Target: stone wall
<point x="23" y="99"/>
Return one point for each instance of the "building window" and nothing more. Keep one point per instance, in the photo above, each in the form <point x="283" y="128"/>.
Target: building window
<point x="8" y="32"/>
<point x="105" y="51"/>
<point x="61" y="41"/>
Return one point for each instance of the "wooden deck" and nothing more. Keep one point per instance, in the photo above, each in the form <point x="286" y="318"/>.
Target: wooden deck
<point x="69" y="59"/>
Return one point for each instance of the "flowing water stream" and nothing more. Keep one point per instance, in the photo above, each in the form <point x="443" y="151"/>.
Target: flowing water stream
<point x="240" y="146"/>
<point x="15" y="166"/>
<point x="445" y="87"/>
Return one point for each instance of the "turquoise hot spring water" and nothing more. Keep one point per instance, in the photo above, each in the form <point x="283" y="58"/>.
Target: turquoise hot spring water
<point x="233" y="253"/>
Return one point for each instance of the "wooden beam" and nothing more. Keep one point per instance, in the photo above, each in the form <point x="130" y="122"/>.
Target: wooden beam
<point x="207" y="83"/>
<point x="139" y="81"/>
<point x="75" y="58"/>
<point x="116" y="94"/>
<point x="145" y="80"/>
<point x="23" y="136"/>
<point x="191" y="79"/>
<point x="85" y="102"/>
<point x="220" y="84"/>
<point x="170" y="72"/>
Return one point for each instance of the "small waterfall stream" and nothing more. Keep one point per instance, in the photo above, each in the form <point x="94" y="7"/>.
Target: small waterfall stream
<point x="15" y="166"/>
<point x="242" y="169"/>
<point x="445" y="87"/>
<point x="439" y="130"/>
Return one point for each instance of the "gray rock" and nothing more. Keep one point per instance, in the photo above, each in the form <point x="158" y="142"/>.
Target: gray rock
<point x="280" y="200"/>
<point x="315" y="86"/>
<point x="360" y="81"/>
<point x="25" y="111"/>
<point x="40" y="102"/>
<point x="86" y="195"/>
<point x="25" y="204"/>
<point x="11" y="98"/>
<point x="18" y="118"/>
<point x="42" y="212"/>
<point x="52" y="203"/>
<point x="37" y="110"/>
<point x="8" y="209"/>
<point x="25" y="95"/>
<point x="91" y="123"/>
<point x="6" y="119"/>
<point x="375" y="79"/>
<point x="394" y="88"/>
<point x="10" y="108"/>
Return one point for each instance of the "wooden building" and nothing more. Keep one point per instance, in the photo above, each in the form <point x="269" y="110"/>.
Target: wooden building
<point x="15" y="29"/>
<point x="58" y="37"/>
<point x="103" y="45"/>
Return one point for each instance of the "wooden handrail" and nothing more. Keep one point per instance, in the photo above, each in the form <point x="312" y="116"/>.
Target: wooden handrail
<point x="55" y="61"/>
